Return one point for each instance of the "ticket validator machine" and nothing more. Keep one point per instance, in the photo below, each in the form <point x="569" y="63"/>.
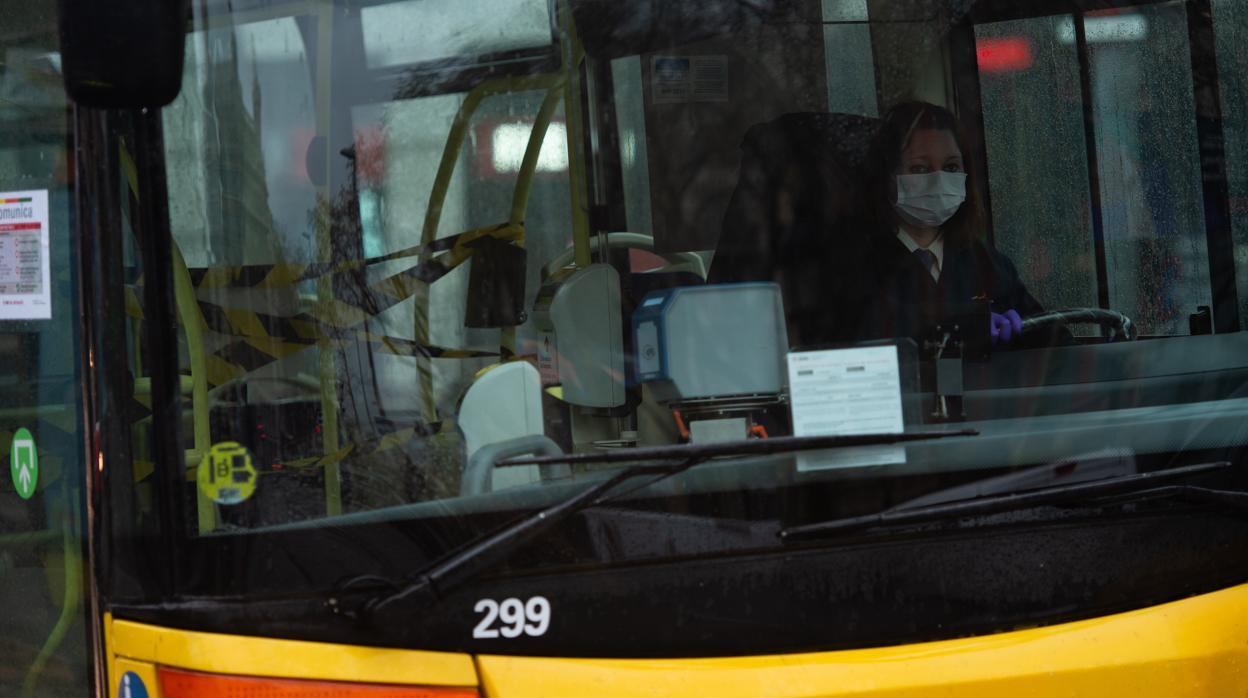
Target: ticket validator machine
<point x="715" y="356"/>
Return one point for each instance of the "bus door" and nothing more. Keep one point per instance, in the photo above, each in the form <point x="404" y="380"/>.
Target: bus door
<point x="1105" y="145"/>
<point x="43" y="609"/>
<point x="314" y="159"/>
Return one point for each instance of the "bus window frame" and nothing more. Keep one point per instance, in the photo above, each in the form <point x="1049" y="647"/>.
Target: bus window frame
<point x="149" y="576"/>
<point x="393" y="83"/>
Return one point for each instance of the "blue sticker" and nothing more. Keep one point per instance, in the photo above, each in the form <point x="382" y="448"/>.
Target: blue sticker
<point x="131" y="686"/>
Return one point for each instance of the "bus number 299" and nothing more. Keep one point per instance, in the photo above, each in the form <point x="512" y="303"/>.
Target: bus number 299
<point x="512" y="618"/>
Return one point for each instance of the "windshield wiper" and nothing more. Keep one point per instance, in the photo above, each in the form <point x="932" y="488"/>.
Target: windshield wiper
<point x="479" y="555"/>
<point x="751" y="447"/>
<point x="1133" y="487"/>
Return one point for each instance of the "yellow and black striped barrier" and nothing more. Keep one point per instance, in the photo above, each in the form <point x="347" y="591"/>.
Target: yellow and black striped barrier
<point x="262" y="338"/>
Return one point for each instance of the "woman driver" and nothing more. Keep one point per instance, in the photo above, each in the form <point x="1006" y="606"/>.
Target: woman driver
<point x="924" y="248"/>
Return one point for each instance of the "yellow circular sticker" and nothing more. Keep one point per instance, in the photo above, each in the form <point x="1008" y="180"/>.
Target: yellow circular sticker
<point x="226" y="475"/>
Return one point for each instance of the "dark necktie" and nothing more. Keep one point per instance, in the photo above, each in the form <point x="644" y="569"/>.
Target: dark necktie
<point x="926" y="257"/>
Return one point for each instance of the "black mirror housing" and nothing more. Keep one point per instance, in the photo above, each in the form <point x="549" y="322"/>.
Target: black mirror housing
<point x="123" y="53"/>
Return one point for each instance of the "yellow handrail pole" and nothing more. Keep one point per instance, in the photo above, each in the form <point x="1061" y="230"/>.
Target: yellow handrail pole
<point x="327" y="367"/>
<point x="328" y="370"/>
<point x="192" y="322"/>
<point x="193" y="325"/>
<point x="528" y="166"/>
<point x="459" y="129"/>
<point x="524" y="186"/>
<point x="327" y="364"/>
<point x="573" y="55"/>
<point x="437" y="197"/>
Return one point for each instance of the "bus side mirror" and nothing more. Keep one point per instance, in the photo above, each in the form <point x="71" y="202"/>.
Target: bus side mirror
<point x="123" y="53"/>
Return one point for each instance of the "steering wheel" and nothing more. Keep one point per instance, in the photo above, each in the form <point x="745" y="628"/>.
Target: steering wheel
<point x="1118" y="324"/>
<point x="629" y="241"/>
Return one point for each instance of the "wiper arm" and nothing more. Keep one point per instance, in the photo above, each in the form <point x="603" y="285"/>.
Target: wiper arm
<point x="750" y="447"/>
<point x="1140" y="485"/>
<point x="477" y="556"/>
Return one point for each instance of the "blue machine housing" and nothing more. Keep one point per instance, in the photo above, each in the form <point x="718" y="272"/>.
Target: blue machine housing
<point x="711" y="341"/>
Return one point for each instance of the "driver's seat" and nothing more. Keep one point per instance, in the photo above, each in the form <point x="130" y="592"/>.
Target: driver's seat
<point x="793" y="219"/>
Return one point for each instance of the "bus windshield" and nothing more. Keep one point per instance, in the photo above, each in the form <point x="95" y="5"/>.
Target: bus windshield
<point x="411" y="241"/>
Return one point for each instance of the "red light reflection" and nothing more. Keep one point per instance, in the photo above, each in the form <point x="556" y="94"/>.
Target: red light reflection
<point x="1004" y="55"/>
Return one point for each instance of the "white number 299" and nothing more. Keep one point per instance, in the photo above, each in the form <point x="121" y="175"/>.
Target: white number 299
<point x="513" y="616"/>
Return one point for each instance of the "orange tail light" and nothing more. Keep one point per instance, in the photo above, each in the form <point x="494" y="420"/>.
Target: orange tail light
<point x="175" y="683"/>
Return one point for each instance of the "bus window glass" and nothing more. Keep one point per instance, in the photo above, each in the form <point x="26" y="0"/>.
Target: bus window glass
<point x="420" y="240"/>
<point x="43" y="606"/>
<point x="693" y="158"/>
<point x="634" y="159"/>
<point x="300" y="187"/>
<point x="1037" y="156"/>
<point x="1230" y="33"/>
<point x="908" y="41"/>
<point x="451" y="28"/>
<point x="1149" y="167"/>
<point x="850" y="64"/>
<point x="247" y="112"/>
<point x="399" y="146"/>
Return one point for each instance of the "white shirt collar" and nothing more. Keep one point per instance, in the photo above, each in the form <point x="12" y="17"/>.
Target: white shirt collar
<point x="937" y="248"/>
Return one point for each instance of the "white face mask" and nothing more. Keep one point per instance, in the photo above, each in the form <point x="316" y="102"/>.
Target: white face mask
<point x="930" y="199"/>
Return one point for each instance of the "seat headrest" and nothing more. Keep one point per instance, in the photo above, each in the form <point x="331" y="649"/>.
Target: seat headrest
<point x="843" y="138"/>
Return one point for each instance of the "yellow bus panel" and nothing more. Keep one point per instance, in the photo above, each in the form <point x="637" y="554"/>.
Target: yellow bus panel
<point x="1194" y="647"/>
<point x="255" y="656"/>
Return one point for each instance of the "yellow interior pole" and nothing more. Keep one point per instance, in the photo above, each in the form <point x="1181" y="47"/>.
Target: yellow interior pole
<point x="193" y="325"/>
<point x="459" y="130"/>
<point x="574" y="54"/>
<point x="437" y="198"/>
<point x="524" y="186"/>
<point x="192" y="322"/>
<point x="528" y="166"/>
<point x="327" y="365"/>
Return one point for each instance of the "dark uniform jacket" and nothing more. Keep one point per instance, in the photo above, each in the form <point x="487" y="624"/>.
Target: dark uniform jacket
<point x="796" y="218"/>
<point x="906" y="302"/>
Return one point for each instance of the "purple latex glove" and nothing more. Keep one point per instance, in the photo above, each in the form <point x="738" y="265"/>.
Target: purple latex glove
<point x="1006" y="327"/>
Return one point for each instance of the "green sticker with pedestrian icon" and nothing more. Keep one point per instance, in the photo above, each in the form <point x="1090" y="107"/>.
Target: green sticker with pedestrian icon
<point x="24" y="463"/>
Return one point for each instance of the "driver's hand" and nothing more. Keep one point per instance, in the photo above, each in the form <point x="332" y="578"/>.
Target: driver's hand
<point x="1006" y="327"/>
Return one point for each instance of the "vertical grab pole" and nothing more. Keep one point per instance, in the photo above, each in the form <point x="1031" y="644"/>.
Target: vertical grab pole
<point x="429" y="233"/>
<point x="192" y="322"/>
<point x="524" y="186"/>
<point x="327" y="365"/>
<point x="437" y="197"/>
<point x="192" y="325"/>
<point x="573" y="54"/>
<point x="528" y="166"/>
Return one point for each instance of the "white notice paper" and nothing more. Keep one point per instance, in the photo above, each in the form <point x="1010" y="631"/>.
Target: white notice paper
<point x="25" y="279"/>
<point x="844" y="392"/>
<point x="678" y="79"/>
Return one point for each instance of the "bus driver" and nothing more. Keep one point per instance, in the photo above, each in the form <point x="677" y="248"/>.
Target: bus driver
<point x="925" y="257"/>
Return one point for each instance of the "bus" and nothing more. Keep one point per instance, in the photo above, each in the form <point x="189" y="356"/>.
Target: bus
<point x="517" y="348"/>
